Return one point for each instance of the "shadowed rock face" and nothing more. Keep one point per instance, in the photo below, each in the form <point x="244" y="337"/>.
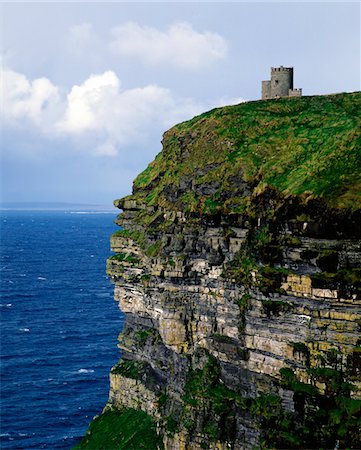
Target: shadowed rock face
<point x="242" y="298"/>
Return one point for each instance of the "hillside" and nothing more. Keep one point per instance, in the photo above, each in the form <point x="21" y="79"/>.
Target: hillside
<point x="302" y="145"/>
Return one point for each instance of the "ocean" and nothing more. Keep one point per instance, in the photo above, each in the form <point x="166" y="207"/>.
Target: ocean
<point x="59" y="325"/>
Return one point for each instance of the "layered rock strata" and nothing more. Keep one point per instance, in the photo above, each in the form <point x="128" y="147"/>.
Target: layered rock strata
<point x="189" y="306"/>
<point x="242" y="299"/>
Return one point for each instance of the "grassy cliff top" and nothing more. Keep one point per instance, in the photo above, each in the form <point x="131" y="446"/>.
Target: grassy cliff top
<point x="300" y="146"/>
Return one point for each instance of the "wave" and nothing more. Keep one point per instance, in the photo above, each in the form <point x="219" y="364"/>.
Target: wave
<point x="85" y="371"/>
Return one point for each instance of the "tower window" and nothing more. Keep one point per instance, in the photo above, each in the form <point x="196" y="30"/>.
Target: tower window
<point x="276" y="81"/>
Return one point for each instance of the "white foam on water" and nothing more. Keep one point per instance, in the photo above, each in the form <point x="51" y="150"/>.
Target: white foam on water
<point x="85" y="371"/>
<point x="24" y="329"/>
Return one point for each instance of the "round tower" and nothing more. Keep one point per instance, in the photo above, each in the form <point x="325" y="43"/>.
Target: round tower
<point x="281" y="81"/>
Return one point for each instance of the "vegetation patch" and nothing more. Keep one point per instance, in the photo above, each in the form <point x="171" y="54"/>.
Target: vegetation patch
<point x="241" y="269"/>
<point x="162" y="399"/>
<point x="129" y="368"/>
<point x="336" y="414"/>
<point x="294" y="145"/>
<point x="301" y="349"/>
<point x="143" y="334"/>
<point x="348" y="281"/>
<point x="154" y="249"/>
<point x="172" y="424"/>
<point x="270" y="279"/>
<point x="204" y="390"/>
<point x="122" y="233"/>
<point x="243" y="304"/>
<point x="122" y="257"/>
<point x="126" y="429"/>
<point x="275" y="307"/>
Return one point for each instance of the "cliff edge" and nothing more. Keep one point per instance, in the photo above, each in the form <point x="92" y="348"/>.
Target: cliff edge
<point x="238" y="270"/>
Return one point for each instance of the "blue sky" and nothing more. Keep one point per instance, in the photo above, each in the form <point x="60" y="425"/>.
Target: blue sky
<point x="87" y="89"/>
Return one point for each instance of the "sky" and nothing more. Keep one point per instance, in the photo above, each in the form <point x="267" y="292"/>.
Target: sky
<point x="87" y="89"/>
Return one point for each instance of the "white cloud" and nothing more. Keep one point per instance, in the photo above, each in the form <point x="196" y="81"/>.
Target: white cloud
<point x="97" y="114"/>
<point x="100" y="106"/>
<point x="88" y="104"/>
<point x="23" y="99"/>
<point x="180" y="45"/>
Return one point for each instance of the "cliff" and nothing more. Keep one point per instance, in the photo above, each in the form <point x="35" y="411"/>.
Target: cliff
<point x="238" y="270"/>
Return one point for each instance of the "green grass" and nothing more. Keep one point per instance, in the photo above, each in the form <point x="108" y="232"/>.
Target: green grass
<point x="127" y="429"/>
<point x="306" y="145"/>
<point x="154" y="249"/>
<point x="128" y="368"/>
<point x="124" y="258"/>
<point x="122" y="233"/>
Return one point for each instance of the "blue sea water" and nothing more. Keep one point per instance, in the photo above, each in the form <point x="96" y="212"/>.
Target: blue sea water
<point x="59" y="326"/>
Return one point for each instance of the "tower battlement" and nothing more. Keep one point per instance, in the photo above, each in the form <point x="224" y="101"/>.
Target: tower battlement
<point x="280" y="84"/>
<point x="281" y="69"/>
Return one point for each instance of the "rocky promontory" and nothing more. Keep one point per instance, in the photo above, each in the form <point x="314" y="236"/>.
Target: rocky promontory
<point x="237" y="267"/>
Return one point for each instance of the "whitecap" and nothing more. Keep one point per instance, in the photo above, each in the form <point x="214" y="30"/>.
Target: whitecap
<point x="6" y="305"/>
<point x="85" y="371"/>
<point x="41" y="278"/>
<point x="24" y="329"/>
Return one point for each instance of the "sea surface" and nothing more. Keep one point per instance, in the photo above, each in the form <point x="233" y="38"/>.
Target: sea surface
<point x="59" y="326"/>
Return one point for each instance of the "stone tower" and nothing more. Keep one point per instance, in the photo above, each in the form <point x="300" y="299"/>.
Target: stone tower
<point x="280" y="84"/>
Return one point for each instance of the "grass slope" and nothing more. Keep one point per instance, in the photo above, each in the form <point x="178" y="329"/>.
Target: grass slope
<point x="297" y="145"/>
<point x="128" y="429"/>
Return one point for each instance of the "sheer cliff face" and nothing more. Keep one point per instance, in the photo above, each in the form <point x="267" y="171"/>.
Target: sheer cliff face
<point x="242" y="296"/>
